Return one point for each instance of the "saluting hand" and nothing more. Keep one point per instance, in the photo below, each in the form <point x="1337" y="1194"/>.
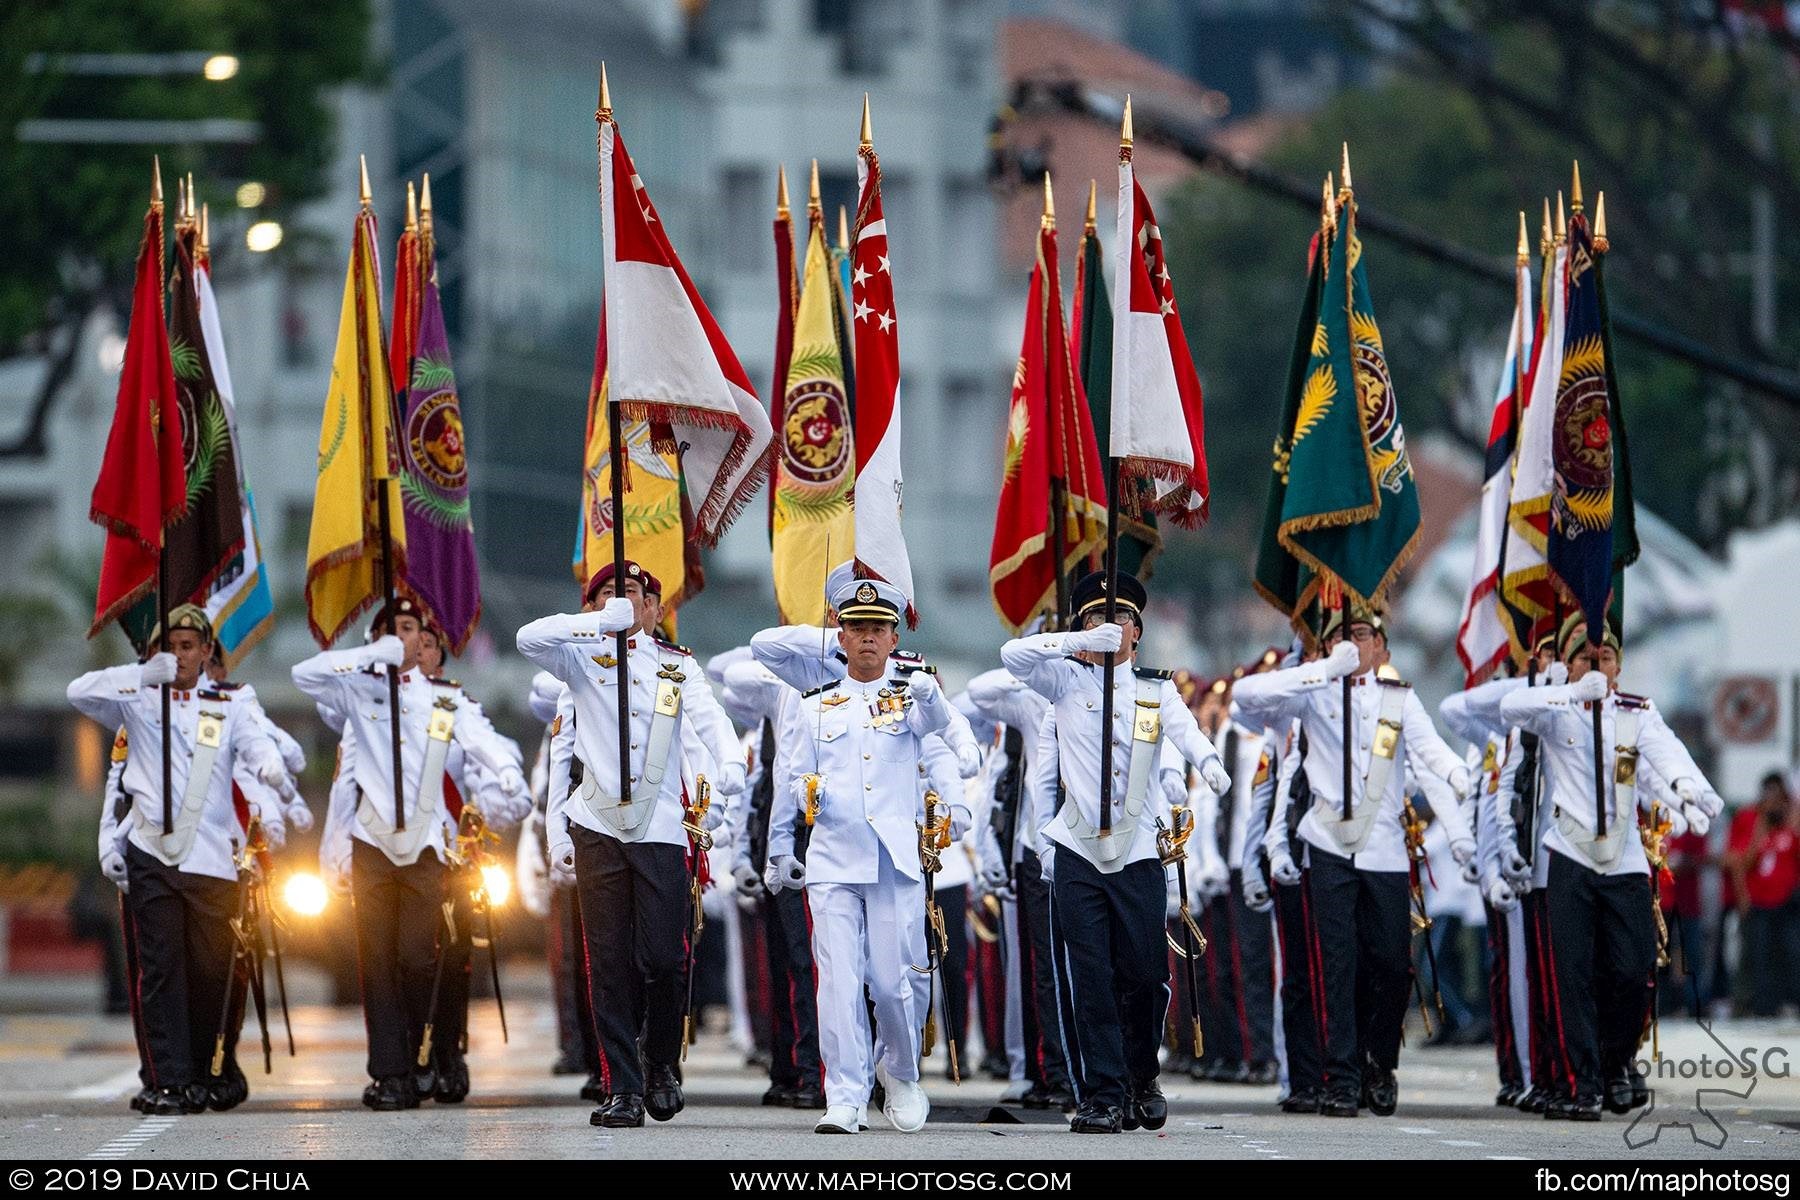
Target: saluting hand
<point x="385" y="650"/>
<point x="617" y="615"/>
<point x="159" y="668"/>
<point x="1591" y="686"/>
<point x="1343" y="660"/>
<point x="1101" y="639"/>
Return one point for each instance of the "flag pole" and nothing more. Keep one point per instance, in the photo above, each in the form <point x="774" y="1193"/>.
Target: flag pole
<point x="1112" y="576"/>
<point x="1058" y="493"/>
<point x="162" y="550"/>
<point x="1595" y="637"/>
<point x="381" y="474"/>
<point x="615" y="451"/>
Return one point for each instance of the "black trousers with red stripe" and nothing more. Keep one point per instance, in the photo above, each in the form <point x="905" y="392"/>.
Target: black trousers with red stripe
<point x="1540" y="980"/>
<point x="1500" y="1007"/>
<point x="1363" y="932"/>
<point x="569" y="981"/>
<point x="1301" y="1009"/>
<point x="450" y="1027"/>
<point x="1044" y="1063"/>
<point x="634" y="914"/>
<point x="1238" y="985"/>
<point x="793" y="1000"/>
<point x="1602" y="949"/>
<point x="184" y="940"/>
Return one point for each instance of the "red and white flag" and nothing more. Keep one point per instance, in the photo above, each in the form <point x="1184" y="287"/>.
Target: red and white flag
<point x="670" y="363"/>
<point x="880" y="545"/>
<point x="1482" y="641"/>
<point x="1526" y="583"/>
<point x="1158" y="424"/>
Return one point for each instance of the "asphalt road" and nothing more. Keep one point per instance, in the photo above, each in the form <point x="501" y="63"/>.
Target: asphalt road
<point x="64" y="1079"/>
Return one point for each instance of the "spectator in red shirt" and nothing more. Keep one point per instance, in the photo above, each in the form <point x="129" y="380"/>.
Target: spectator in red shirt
<point x="1762" y="855"/>
<point x="1680" y="985"/>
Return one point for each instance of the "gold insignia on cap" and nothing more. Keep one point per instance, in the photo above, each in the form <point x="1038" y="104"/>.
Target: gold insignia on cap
<point x="866" y="594"/>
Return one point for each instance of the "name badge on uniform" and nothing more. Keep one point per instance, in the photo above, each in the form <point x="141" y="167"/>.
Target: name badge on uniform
<point x="443" y="722"/>
<point x="668" y="698"/>
<point x="1148" y="726"/>
<point x="211" y="729"/>
<point x="1387" y="738"/>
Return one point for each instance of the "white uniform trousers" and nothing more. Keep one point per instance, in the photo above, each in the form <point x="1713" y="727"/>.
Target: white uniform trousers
<point x="873" y="932"/>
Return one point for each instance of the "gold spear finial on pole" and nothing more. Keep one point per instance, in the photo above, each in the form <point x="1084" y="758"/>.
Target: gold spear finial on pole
<point x="1125" y="127"/>
<point x="362" y="161"/>
<point x="1093" y="191"/>
<point x="1601" y="245"/>
<point x="868" y="133"/>
<point x="813" y="203"/>
<point x="205" y="231"/>
<point x="1547" y="238"/>
<point x="1328" y="210"/>
<point x="1575" y="188"/>
<point x="1562" y="219"/>
<point x="605" y="112"/>
<point x="843" y="230"/>
<point x="1345" y="173"/>
<point x="180" y="200"/>
<point x="425" y="202"/>
<point x="412" y="207"/>
<point x="1049" y="217"/>
<point x="1524" y="250"/>
<point x="781" y="195"/>
<point x="193" y="199"/>
<point x="156" y="195"/>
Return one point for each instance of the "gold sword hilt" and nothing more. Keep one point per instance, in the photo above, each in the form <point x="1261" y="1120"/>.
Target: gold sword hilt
<point x="814" y="783"/>
<point x="695" y="814"/>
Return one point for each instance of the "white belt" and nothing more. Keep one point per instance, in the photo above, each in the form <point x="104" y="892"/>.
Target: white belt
<point x="403" y="846"/>
<point x="630" y="822"/>
<point x="1602" y="853"/>
<point x="1353" y="834"/>
<point x="1108" y="850"/>
<point x="172" y="848"/>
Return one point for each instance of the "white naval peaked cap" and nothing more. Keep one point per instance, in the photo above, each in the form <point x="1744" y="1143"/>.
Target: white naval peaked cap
<point x="868" y="600"/>
<point x="843" y="573"/>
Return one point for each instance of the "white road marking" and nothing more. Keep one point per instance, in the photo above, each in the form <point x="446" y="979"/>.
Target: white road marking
<point x="1458" y="1142"/>
<point x="134" y="1137"/>
<point x="1417" y="1129"/>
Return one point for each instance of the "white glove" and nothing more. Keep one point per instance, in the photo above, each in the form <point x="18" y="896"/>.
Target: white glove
<point x="158" y="669"/>
<point x="1513" y="865"/>
<point x="1556" y="674"/>
<point x="1591" y="686"/>
<point x="562" y="859"/>
<point x="1460" y="783"/>
<point x="293" y="757"/>
<point x="1047" y="862"/>
<point x="748" y="883"/>
<point x="1101" y="639"/>
<point x="511" y="782"/>
<point x="784" y="871"/>
<point x="1343" y="660"/>
<point x="968" y="760"/>
<point x="298" y="816"/>
<point x="731" y="779"/>
<point x="1213" y="772"/>
<point x="1256" y="892"/>
<point x="1282" y="868"/>
<point x="1462" y="850"/>
<point x="337" y="878"/>
<point x="924" y="687"/>
<point x="959" y="822"/>
<point x="997" y="879"/>
<point x="1214" y="879"/>
<point x="1501" y="895"/>
<point x="1712" y="804"/>
<point x="1678" y="823"/>
<point x="386" y="649"/>
<point x="274" y="774"/>
<point x="617" y="615"/>
<point x="714" y="820"/>
<point x="1174" y="787"/>
<point x="1697" y="820"/>
<point x="1471" y="872"/>
<point x="274" y="834"/>
<point x="113" y="867"/>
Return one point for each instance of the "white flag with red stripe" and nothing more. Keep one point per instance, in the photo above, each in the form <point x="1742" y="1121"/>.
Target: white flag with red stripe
<point x="1482" y="641"/>
<point x="880" y="544"/>
<point x="1158" y="424"/>
<point x="1526" y="584"/>
<point x="670" y="364"/>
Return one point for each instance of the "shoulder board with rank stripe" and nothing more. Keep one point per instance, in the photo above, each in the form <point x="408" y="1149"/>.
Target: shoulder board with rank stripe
<point x="1149" y="673"/>
<point x="826" y="687"/>
<point x="228" y="685"/>
<point x="445" y="683"/>
<point x="1628" y="700"/>
<point x="911" y="656"/>
<point x="209" y="694"/>
<point x="678" y="649"/>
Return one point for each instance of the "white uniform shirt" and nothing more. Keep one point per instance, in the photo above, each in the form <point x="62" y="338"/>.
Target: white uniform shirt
<point x="1001" y="697"/>
<point x="570" y="647"/>
<point x="1073" y="689"/>
<point x="335" y="679"/>
<point x="113" y="698"/>
<point x="1305" y="692"/>
<point x="871" y="798"/>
